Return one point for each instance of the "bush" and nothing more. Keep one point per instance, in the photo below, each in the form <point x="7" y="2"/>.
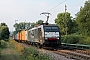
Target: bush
<point x="0" y="51"/>
<point x="76" y="39"/>
<point x="85" y="40"/>
<point x="3" y="44"/>
<point x="7" y="40"/>
<point x="15" y="45"/>
<point x="33" y="54"/>
<point x="70" y="39"/>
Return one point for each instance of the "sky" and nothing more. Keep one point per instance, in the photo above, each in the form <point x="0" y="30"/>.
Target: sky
<point x="30" y="10"/>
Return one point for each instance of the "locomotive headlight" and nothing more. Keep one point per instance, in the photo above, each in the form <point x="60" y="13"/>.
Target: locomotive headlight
<point x="57" y="38"/>
<point x="46" y="38"/>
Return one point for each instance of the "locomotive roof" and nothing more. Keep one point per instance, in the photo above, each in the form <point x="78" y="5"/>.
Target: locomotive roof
<point x="41" y="26"/>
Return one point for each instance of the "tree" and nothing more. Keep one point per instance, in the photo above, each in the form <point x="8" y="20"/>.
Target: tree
<point x="39" y="22"/>
<point x="3" y="24"/>
<point x="23" y="26"/>
<point x="4" y="31"/>
<point x="60" y="20"/>
<point x="32" y="25"/>
<point x="83" y="19"/>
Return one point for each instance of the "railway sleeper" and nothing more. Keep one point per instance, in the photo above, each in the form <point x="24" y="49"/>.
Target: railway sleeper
<point x="79" y="56"/>
<point x="84" y="52"/>
<point x="76" y="55"/>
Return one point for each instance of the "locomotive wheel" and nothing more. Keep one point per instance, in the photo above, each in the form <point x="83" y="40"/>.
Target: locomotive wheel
<point x="39" y="45"/>
<point x="33" y="44"/>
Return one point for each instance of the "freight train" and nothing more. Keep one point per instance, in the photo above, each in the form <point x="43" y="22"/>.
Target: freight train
<point x="43" y="35"/>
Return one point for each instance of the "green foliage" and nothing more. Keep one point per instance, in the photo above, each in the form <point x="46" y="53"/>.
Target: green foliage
<point x="87" y="41"/>
<point x="4" y="34"/>
<point x="3" y="24"/>
<point x="72" y="26"/>
<point x="83" y="19"/>
<point x="25" y="26"/>
<point x="3" y="44"/>
<point x="4" y="31"/>
<point x="84" y="40"/>
<point x="22" y="26"/>
<point x="62" y="22"/>
<point x="39" y="22"/>
<point x="32" y="54"/>
<point x="0" y="51"/>
<point x="73" y="39"/>
<point x="70" y="39"/>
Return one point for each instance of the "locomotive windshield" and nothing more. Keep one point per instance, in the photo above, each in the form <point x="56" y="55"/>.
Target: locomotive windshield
<point x="51" y="29"/>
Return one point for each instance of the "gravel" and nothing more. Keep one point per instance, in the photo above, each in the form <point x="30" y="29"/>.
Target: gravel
<point x="54" y="56"/>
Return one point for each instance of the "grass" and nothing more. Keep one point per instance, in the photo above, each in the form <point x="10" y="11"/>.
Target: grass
<point x="15" y="51"/>
<point x="0" y="51"/>
<point x="33" y="54"/>
<point x="15" y="45"/>
<point x="10" y="57"/>
<point x="12" y="52"/>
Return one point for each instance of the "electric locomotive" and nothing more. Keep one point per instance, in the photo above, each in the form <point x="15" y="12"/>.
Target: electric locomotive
<point x="45" y="35"/>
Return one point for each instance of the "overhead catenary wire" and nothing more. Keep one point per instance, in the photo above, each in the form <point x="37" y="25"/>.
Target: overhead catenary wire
<point x="57" y="5"/>
<point x="45" y="9"/>
<point x="51" y="4"/>
<point x="53" y="8"/>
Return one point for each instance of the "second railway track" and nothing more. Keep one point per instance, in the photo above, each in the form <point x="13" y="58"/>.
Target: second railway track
<point x="73" y="54"/>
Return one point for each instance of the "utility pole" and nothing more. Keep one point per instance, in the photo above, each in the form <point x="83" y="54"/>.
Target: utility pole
<point x="65" y="20"/>
<point x="25" y="25"/>
<point x="47" y="15"/>
<point x="15" y="23"/>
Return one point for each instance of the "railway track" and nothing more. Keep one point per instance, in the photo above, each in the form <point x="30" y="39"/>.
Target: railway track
<point x="49" y="52"/>
<point x="78" y="54"/>
<point x="87" y="52"/>
<point x="70" y="54"/>
<point x="73" y="54"/>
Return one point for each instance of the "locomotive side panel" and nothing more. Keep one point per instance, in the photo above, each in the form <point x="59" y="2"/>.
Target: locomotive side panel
<point x="35" y="35"/>
<point x="36" y="39"/>
<point x="41" y="35"/>
<point x="30" y="36"/>
<point x="38" y="35"/>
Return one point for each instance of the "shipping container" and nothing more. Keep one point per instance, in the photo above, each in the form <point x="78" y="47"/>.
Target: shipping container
<point x="24" y="35"/>
<point x="18" y="36"/>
